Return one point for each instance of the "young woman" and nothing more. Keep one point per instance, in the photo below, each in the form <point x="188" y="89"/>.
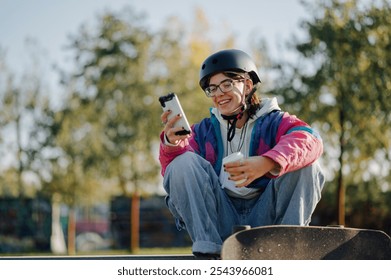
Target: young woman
<point x="277" y="182"/>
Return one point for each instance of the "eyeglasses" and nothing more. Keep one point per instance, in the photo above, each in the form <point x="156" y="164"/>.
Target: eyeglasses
<point x="225" y="86"/>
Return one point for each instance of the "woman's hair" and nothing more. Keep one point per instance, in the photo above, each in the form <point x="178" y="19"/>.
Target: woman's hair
<point x="255" y="102"/>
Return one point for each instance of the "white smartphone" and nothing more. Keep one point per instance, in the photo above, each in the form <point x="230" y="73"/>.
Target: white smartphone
<point x="171" y="102"/>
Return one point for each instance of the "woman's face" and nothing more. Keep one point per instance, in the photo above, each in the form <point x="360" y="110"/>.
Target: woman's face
<point x="230" y="102"/>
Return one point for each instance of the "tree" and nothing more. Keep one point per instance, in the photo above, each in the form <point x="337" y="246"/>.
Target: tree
<point x="113" y="84"/>
<point x="22" y="104"/>
<point x="113" y="113"/>
<point x="342" y="85"/>
<point x="110" y="112"/>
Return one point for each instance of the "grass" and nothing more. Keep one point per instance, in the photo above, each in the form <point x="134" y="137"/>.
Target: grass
<point x="163" y="251"/>
<point x="141" y="251"/>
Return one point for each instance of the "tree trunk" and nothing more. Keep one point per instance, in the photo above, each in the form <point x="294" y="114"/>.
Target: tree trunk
<point x="341" y="200"/>
<point x="71" y="232"/>
<point x="341" y="187"/>
<point x="19" y="144"/>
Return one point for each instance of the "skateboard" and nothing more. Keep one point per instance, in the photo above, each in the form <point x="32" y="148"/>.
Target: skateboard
<point x="307" y="243"/>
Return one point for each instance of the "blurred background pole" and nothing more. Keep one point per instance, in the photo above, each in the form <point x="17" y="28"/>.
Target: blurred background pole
<point x="341" y="186"/>
<point x="71" y="231"/>
<point x="135" y="222"/>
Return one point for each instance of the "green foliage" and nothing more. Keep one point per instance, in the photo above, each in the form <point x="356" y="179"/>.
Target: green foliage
<point x="103" y="138"/>
<point x="21" y="105"/>
<point x="108" y="128"/>
<point x="111" y="113"/>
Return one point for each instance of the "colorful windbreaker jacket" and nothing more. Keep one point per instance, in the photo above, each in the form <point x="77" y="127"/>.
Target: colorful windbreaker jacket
<point x="284" y="138"/>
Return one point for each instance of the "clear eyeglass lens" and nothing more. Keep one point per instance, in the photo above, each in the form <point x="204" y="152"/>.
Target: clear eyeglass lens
<point x="224" y="87"/>
<point x="211" y="90"/>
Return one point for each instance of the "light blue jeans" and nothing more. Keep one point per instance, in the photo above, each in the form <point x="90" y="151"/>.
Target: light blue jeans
<point x="203" y="208"/>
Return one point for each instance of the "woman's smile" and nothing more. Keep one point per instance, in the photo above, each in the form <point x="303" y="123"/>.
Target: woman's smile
<point x="224" y="102"/>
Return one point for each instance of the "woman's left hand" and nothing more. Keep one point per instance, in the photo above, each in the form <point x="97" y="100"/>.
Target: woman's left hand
<point x="249" y="169"/>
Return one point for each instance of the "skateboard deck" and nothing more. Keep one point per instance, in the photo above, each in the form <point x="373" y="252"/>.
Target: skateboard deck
<point x="307" y="243"/>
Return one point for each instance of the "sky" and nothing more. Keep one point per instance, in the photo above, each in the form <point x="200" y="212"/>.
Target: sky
<point x="49" y="23"/>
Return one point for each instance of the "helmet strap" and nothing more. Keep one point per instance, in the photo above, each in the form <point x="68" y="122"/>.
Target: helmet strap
<point x="231" y="123"/>
<point x="233" y="119"/>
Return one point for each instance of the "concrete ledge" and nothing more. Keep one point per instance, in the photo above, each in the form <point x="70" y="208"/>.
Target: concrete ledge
<point x="104" y="257"/>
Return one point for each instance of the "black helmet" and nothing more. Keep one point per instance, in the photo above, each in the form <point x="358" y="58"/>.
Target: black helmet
<point x="228" y="60"/>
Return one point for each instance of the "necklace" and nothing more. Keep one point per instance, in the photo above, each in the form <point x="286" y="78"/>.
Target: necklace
<point x="241" y="140"/>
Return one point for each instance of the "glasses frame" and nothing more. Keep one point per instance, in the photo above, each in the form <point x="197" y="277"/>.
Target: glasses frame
<point x="209" y="93"/>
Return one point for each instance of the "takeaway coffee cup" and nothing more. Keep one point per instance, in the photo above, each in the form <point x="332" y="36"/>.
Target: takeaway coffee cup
<point x="232" y="158"/>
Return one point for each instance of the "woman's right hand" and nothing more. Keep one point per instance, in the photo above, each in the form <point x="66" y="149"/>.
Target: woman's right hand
<point x="169" y="129"/>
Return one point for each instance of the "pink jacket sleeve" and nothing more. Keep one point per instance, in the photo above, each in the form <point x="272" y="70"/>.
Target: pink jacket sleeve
<point x="296" y="146"/>
<point x="168" y="153"/>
